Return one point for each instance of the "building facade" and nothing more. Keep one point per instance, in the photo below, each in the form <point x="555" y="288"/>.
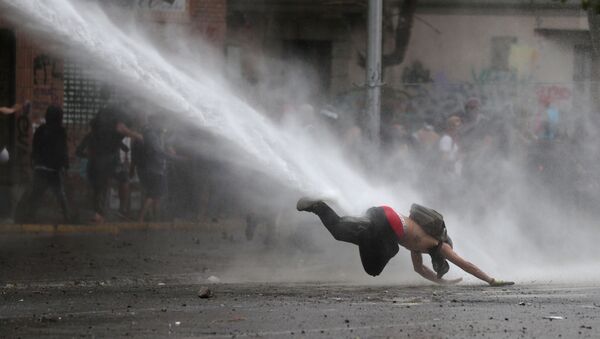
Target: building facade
<point x="31" y="75"/>
<point x="513" y="55"/>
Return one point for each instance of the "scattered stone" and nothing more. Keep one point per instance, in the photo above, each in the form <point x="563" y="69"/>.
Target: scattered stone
<point x="553" y="317"/>
<point x="204" y="293"/>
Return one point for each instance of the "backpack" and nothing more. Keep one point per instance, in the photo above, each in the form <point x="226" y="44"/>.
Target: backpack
<point x="430" y="220"/>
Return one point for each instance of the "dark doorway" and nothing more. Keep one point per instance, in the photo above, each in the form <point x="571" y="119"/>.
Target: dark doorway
<point x="315" y="55"/>
<point x="7" y="122"/>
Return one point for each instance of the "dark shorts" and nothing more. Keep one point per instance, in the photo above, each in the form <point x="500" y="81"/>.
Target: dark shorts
<point x="121" y="173"/>
<point x="103" y="168"/>
<point x="154" y="185"/>
<point x="378" y="244"/>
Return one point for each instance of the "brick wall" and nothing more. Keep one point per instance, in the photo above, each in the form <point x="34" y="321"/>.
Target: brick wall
<point x="209" y="18"/>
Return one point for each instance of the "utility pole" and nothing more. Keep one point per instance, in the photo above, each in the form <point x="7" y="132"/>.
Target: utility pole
<point x="373" y="81"/>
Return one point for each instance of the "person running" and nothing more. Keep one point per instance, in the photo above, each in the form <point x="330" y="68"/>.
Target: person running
<point x="382" y="229"/>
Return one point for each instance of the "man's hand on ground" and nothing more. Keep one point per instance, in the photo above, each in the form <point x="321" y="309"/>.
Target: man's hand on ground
<point x="450" y="281"/>
<point x="499" y="283"/>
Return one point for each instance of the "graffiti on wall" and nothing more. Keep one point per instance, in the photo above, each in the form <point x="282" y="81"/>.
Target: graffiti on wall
<point x="23" y="143"/>
<point x="501" y="92"/>
<point x="553" y="94"/>
<point x="163" y="5"/>
<point x="416" y="73"/>
<point x="47" y="85"/>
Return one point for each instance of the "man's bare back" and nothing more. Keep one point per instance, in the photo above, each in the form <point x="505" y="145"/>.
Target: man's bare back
<point x="415" y="239"/>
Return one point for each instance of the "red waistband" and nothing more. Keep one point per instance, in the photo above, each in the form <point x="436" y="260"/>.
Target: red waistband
<point x="394" y="219"/>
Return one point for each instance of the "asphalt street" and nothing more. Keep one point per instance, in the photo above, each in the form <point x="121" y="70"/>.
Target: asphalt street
<point x="153" y="284"/>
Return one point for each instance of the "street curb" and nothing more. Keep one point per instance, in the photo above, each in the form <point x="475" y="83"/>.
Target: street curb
<point x="99" y="228"/>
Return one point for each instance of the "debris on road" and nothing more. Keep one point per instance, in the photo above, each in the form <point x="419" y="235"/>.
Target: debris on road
<point x="204" y="293"/>
<point x="213" y="280"/>
<point x="553" y="317"/>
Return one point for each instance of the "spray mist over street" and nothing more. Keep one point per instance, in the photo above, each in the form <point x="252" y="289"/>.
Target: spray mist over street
<point x="520" y="231"/>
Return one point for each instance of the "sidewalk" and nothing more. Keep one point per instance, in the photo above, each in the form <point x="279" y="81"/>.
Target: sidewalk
<point x="114" y="228"/>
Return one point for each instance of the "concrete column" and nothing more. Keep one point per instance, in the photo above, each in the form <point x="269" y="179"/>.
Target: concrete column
<point x="373" y="81"/>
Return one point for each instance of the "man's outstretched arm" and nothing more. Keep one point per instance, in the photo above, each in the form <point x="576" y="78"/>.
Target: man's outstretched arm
<point x="470" y="268"/>
<point x="10" y="110"/>
<point x="425" y="272"/>
<point x="125" y="131"/>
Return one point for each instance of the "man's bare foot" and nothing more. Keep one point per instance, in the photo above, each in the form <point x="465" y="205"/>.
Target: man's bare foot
<point x="98" y="219"/>
<point x="450" y="281"/>
<point x="305" y="204"/>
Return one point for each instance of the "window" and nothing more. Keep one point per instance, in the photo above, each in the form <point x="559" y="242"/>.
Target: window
<point x="501" y="52"/>
<point x="582" y="70"/>
<point x="82" y="99"/>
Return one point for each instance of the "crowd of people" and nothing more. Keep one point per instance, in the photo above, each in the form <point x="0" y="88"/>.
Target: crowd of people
<point x="114" y="152"/>
<point x="461" y="159"/>
<point x="454" y="154"/>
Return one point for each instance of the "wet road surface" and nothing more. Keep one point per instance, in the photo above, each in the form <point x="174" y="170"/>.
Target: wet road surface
<point x="146" y="285"/>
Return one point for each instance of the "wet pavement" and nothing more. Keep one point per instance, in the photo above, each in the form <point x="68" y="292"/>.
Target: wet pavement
<point x="153" y="285"/>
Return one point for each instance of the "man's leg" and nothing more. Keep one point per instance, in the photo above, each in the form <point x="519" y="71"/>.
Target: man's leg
<point x="57" y="185"/>
<point x="376" y="248"/>
<point x="40" y="184"/>
<point x="122" y="178"/>
<point x="148" y="202"/>
<point x="100" y="188"/>
<point x="348" y="229"/>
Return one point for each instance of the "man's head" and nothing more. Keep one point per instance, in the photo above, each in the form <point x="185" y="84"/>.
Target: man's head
<point x="104" y="93"/>
<point x="54" y="115"/>
<point x="472" y="109"/>
<point x="158" y="121"/>
<point x="453" y="123"/>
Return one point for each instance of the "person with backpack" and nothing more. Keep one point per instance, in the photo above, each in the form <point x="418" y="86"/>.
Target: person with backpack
<point x="382" y="229"/>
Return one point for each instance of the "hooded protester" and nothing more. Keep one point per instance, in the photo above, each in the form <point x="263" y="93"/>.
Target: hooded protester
<point x="50" y="159"/>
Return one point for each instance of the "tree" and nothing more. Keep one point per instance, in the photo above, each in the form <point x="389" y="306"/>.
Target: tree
<point x="407" y="9"/>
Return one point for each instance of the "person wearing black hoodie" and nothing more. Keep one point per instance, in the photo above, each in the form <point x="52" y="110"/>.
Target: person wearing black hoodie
<point x="50" y="160"/>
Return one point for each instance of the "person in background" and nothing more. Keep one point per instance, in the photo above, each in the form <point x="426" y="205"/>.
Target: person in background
<point x="450" y="157"/>
<point x="151" y="162"/>
<point x="50" y="160"/>
<point x="109" y="128"/>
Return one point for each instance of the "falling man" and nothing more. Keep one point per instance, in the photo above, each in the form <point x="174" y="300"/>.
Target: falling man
<point x="379" y="232"/>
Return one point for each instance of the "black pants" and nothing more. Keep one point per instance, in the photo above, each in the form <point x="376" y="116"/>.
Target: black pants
<point x="42" y="180"/>
<point x="375" y="239"/>
<point x="101" y="169"/>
